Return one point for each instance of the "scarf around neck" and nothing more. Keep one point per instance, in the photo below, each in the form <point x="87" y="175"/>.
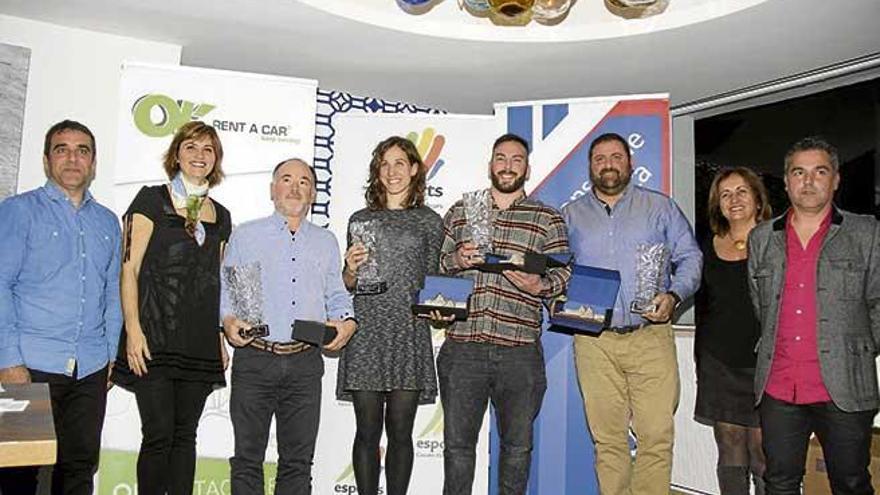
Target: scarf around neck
<point x="189" y="196"/>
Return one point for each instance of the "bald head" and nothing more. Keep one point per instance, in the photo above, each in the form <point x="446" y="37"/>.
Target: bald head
<point x="298" y="160"/>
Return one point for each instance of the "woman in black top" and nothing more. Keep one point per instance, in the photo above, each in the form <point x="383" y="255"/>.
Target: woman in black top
<point x="727" y="330"/>
<point x="171" y="354"/>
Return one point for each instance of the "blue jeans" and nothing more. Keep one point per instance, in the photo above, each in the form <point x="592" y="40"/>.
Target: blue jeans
<point x="470" y="375"/>
<point x="845" y="439"/>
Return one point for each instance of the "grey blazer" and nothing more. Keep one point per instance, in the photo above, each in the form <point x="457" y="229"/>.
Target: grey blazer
<point x="848" y="299"/>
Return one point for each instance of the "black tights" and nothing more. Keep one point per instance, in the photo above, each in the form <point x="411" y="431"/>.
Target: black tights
<point x="739" y="452"/>
<point x="398" y="409"/>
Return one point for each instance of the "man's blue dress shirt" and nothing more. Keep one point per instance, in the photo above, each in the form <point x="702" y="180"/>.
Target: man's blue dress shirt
<point x="59" y="283"/>
<point x="301" y="273"/>
<point x="610" y="238"/>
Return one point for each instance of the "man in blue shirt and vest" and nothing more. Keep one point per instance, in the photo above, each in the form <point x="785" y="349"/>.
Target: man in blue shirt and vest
<point x="301" y="278"/>
<point x="629" y="373"/>
<point x="60" y="316"/>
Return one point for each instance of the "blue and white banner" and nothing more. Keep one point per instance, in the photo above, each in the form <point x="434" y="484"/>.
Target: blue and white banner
<point x="559" y="133"/>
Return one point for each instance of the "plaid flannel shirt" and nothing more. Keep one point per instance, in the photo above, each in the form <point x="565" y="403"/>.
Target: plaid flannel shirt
<point x="500" y="313"/>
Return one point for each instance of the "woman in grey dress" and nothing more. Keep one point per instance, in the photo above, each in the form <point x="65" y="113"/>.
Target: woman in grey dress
<point x="387" y="369"/>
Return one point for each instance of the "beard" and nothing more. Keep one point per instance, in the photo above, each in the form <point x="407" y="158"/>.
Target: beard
<point x="293" y="205"/>
<point x="610" y="181"/>
<point x="514" y="186"/>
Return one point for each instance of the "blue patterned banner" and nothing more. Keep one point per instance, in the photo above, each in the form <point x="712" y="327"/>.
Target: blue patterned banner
<point x="559" y="134"/>
<point x="331" y="104"/>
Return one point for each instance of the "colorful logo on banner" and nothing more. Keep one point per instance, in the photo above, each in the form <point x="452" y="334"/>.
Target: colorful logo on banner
<point x="430" y="440"/>
<point x="430" y="145"/>
<point x="345" y="482"/>
<point x="157" y="115"/>
<point x="118" y="475"/>
<point x="561" y="438"/>
<point x="643" y="123"/>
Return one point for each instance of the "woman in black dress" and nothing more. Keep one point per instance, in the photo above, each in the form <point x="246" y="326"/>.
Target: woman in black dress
<point x="727" y="330"/>
<point x="387" y="369"/>
<point x="171" y="354"/>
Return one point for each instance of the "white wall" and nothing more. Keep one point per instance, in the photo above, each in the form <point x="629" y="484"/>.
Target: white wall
<point x="695" y="454"/>
<point x="74" y="74"/>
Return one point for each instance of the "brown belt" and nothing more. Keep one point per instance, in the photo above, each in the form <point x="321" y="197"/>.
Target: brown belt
<point x="627" y="329"/>
<point x="280" y="348"/>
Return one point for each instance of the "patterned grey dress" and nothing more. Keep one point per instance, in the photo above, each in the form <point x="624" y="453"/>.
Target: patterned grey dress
<point x="392" y="349"/>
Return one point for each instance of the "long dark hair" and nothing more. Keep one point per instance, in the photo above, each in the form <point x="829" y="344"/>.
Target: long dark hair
<point x="375" y="194"/>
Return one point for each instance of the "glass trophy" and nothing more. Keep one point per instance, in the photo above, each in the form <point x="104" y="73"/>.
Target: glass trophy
<point x="650" y="274"/>
<point x="246" y="296"/>
<point x="369" y="280"/>
<point x="478" y="213"/>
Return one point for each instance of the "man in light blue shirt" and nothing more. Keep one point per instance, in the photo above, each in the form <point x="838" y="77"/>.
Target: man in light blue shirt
<point x="60" y="316"/>
<point x="629" y="371"/>
<point x="301" y="279"/>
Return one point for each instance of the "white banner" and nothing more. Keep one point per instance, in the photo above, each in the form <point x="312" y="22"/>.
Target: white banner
<point x="456" y="149"/>
<point x="261" y="120"/>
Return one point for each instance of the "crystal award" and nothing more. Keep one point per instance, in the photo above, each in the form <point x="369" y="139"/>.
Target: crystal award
<point x="246" y="296"/>
<point x="478" y="213"/>
<point x="369" y="281"/>
<point x="650" y="273"/>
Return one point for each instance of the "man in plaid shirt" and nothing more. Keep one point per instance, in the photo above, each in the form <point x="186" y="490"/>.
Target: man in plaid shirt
<point x="496" y="353"/>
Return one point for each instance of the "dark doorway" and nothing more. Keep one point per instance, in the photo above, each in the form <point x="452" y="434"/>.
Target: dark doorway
<point x="847" y="117"/>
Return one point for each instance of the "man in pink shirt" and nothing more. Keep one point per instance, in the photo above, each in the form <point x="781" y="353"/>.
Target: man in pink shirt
<point x="815" y="285"/>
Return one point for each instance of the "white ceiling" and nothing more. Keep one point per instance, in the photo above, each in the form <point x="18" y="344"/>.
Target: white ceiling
<point x="766" y="41"/>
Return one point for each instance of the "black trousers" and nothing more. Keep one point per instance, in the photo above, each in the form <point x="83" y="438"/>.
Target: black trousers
<point x="845" y="439"/>
<point x="288" y="387"/>
<point x="170" y="412"/>
<point x="78" y="407"/>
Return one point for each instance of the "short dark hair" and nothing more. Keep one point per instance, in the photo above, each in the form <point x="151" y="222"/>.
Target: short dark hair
<point x="719" y="225"/>
<point x="68" y="125"/>
<point x="813" y="143"/>
<point x="608" y="137"/>
<point x="375" y="193"/>
<point x="511" y="137"/>
<point x="311" y="169"/>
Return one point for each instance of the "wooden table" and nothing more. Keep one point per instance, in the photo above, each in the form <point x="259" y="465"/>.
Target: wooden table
<point x="27" y="438"/>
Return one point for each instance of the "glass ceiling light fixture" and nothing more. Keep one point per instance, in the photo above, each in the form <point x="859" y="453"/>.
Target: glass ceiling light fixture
<point x="636" y="9"/>
<point x="502" y="12"/>
<point x="548" y="12"/>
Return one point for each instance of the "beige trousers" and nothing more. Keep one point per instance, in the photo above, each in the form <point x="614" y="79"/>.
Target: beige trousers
<point x="630" y="379"/>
